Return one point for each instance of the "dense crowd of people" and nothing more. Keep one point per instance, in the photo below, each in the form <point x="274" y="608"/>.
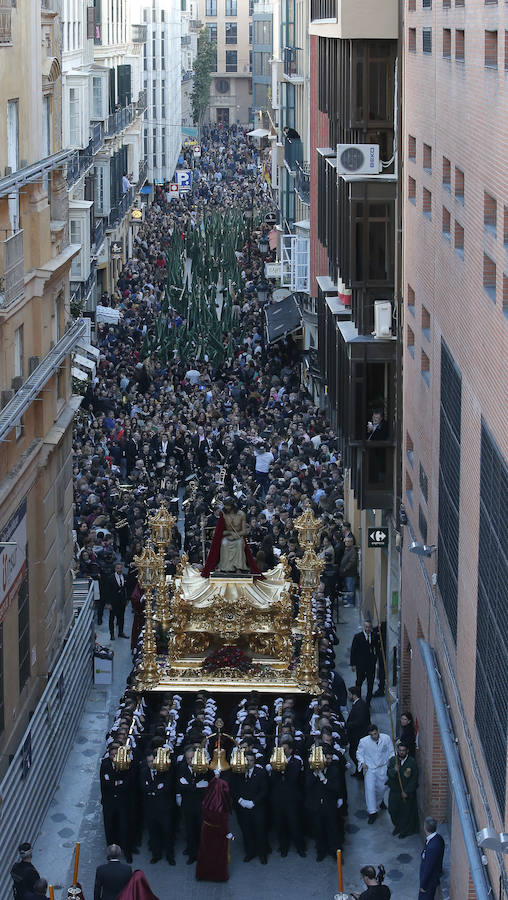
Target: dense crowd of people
<point x="190" y="433"/>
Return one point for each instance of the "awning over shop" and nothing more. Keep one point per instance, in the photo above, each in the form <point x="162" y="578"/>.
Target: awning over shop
<point x="258" y="133"/>
<point x="283" y="318"/>
<point x="146" y="189"/>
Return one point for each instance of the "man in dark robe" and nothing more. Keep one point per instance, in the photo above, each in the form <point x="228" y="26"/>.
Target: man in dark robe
<point x="402" y="775"/>
<point x="213" y="853"/>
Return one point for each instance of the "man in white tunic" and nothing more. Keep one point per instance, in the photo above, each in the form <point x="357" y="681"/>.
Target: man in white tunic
<point x="373" y="754"/>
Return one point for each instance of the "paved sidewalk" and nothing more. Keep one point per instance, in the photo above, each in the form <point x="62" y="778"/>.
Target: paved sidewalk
<point x="76" y="814"/>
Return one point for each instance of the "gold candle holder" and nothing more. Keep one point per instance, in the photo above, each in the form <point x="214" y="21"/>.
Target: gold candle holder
<point x="148" y="674"/>
<point x="161" y="525"/>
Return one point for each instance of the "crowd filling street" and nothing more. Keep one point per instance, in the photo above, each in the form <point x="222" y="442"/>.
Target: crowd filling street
<point x="200" y="436"/>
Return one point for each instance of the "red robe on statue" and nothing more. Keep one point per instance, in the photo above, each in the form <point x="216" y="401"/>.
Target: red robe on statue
<point x="212" y="864"/>
<point x="214" y="553"/>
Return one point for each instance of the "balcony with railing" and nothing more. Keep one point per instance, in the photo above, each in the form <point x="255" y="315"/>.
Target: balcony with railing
<point x="139" y="34"/>
<point x="12" y="269"/>
<point x="293" y="153"/>
<point x="302" y="182"/>
<point x="119" y="120"/>
<point x="186" y="39"/>
<point x="141" y="103"/>
<point x="79" y="163"/>
<point x="5" y="25"/>
<point x="119" y="210"/>
<point x="293" y="64"/>
<point x="195" y="25"/>
<point x="354" y="19"/>
<point x="143" y="174"/>
<point x="187" y="75"/>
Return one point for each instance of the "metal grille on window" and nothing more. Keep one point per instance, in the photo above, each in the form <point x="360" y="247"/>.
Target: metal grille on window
<point x="491" y="694"/>
<point x="449" y="485"/>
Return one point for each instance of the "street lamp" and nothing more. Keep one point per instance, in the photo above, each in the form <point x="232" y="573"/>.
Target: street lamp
<point x="262" y="291"/>
<point x="422" y="549"/>
<point x="263" y="245"/>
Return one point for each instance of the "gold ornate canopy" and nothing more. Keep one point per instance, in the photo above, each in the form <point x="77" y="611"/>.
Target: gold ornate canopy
<point x="198" y="617"/>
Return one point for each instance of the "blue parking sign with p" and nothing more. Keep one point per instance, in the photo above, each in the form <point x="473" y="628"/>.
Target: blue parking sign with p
<point x="184" y="179"/>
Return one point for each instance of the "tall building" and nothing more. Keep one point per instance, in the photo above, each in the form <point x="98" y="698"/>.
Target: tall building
<point x="455" y="286"/>
<point x="189" y="40"/>
<point x="37" y="338"/>
<point x="353" y="208"/>
<point x="162" y="74"/>
<point x="262" y="54"/>
<point x="118" y="102"/>
<point x="229" y="25"/>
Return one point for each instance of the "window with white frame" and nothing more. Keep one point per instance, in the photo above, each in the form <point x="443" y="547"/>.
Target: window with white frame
<point x="76" y="231"/>
<point x="97" y="94"/>
<point x="74" y="117"/>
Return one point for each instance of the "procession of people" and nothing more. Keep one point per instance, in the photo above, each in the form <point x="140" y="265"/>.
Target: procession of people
<point x="236" y="449"/>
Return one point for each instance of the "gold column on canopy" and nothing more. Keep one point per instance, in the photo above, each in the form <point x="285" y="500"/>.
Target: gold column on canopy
<point x="161" y="525"/>
<point x="310" y="567"/>
<point x="148" y="571"/>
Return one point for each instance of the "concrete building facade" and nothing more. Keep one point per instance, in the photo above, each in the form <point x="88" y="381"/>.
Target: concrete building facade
<point x="190" y="27"/>
<point x="455" y="279"/>
<point x="36" y="342"/>
<point x="162" y="74"/>
<point x="229" y="26"/>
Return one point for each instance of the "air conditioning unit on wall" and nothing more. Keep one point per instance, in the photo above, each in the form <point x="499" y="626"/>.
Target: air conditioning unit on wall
<point x="358" y="159"/>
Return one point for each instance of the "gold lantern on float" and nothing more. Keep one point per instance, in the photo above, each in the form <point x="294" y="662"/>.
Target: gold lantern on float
<point x="200" y="761"/>
<point x="219" y="760"/>
<point x="161" y="525"/>
<point x="308" y="528"/>
<point x="162" y="762"/>
<point x="147" y="567"/>
<point x="238" y="761"/>
<point x="278" y="759"/>
<point x="123" y="757"/>
<point x="317" y="760"/>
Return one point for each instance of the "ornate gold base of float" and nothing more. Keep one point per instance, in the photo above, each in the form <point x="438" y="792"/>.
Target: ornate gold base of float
<point x="252" y="615"/>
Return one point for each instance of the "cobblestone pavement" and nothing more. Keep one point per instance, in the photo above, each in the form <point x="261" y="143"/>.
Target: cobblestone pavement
<point x="75" y="814"/>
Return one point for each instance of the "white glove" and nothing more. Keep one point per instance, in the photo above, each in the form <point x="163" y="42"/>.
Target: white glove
<point x="202" y="784"/>
<point x="178" y="799"/>
<point x="321" y="776"/>
<point x="268" y="767"/>
<point x="230" y="836"/>
<point x="249" y="804"/>
<point x="242" y="802"/>
<point x="340" y="802"/>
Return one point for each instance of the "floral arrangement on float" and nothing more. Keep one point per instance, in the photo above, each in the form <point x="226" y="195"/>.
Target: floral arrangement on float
<point x="228" y="657"/>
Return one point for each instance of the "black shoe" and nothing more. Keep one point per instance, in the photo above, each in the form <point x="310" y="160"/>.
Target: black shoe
<point x="112" y="637"/>
<point x="372" y="818"/>
<point x="248" y="858"/>
<point x="171" y="859"/>
<point x="301" y="853"/>
<point x="155" y="859"/>
<point x="320" y="857"/>
<point x="383" y="805"/>
<point x="284" y="852"/>
<point x="263" y="860"/>
<point x="191" y="859"/>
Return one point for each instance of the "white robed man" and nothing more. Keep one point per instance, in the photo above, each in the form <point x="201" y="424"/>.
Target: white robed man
<point x="373" y="754"/>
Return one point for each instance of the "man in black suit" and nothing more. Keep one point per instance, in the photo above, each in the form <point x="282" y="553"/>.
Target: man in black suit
<point x="116" y="599"/>
<point x="111" y="877"/>
<point x="286" y="798"/>
<point x="23" y="873"/>
<point x="357" y="724"/>
<point x="363" y="657"/>
<point x="250" y="793"/>
<point x="158" y="808"/>
<point x="325" y="797"/>
<point x="190" y="792"/>
<point x="116" y="795"/>
<point x="377" y="430"/>
<point x="431" y="865"/>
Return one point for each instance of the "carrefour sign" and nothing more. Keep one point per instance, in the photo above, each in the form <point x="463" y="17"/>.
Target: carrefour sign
<point x="12" y="558"/>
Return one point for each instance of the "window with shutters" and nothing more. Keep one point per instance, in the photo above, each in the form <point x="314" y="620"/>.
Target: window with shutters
<point x="410" y="340"/>
<point x="491" y="686"/>
<point x="411" y="189"/>
<point x="427" y="40"/>
<point x="447" y="43"/>
<point x="411" y="45"/>
<point x="75" y="233"/>
<point x="411" y="299"/>
<point x="460" y="45"/>
<point x="426" y="322"/>
<point x="489" y="276"/>
<point x="411" y="147"/>
<point x="425" y="367"/>
<point x="74" y="136"/>
<point x="489" y="212"/>
<point x="491" y="49"/>
<point x="124" y="85"/>
<point x="459" y="184"/>
<point x="97" y="98"/>
<point x="446" y="173"/>
<point x="427" y="157"/>
<point x="459" y="238"/>
<point x="449" y="485"/>
<point x="90" y="23"/>
<point x="446" y="222"/>
<point x="427" y="202"/>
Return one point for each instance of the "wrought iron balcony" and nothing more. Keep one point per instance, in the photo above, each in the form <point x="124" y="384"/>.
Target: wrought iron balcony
<point x="186" y="39"/>
<point x="141" y="103"/>
<point x="119" y="120"/>
<point x="79" y="163"/>
<point x="302" y="178"/>
<point x="293" y="153"/>
<point x="195" y="25"/>
<point x="139" y="34"/>
<point x="143" y="173"/>
<point x="119" y="210"/>
<point x="12" y="269"/>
